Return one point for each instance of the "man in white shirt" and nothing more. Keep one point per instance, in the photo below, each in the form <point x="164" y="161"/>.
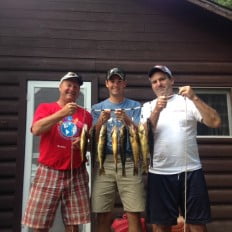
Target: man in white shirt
<point x="175" y="157"/>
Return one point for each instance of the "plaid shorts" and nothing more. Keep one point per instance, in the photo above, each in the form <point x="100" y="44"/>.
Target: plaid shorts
<point x="53" y="186"/>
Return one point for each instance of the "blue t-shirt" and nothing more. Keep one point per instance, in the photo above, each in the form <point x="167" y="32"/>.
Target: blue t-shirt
<point x="132" y="109"/>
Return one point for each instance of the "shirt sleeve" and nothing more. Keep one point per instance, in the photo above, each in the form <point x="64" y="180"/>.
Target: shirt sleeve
<point x="195" y="112"/>
<point x="145" y="113"/>
<point x="136" y="114"/>
<point x="95" y="114"/>
<point x="41" y="112"/>
<point x="89" y="120"/>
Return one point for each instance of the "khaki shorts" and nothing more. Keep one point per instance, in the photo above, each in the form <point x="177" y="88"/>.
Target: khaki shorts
<point x="130" y="188"/>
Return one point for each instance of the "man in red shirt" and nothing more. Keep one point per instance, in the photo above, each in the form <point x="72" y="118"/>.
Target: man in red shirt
<point x="61" y="175"/>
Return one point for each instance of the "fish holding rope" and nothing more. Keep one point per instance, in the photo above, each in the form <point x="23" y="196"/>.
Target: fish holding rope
<point x="123" y="132"/>
<point x="114" y="136"/>
<point x="101" y="147"/>
<point x="144" y="146"/>
<point x="134" y="141"/>
<point x="92" y="144"/>
<point x="84" y="142"/>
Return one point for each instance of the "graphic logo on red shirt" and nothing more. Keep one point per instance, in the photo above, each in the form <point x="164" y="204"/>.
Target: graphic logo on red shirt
<point x="68" y="129"/>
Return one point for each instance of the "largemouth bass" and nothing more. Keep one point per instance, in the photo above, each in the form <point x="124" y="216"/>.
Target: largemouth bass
<point x="101" y="148"/>
<point x="114" y="136"/>
<point x="134" y="141"/>
<point x="84" y="142"/>
<point x="122" y="147"/>
<point x="144" y="145"/>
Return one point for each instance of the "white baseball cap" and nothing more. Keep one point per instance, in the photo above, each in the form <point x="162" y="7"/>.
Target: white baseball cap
<point x="72" y="76"/>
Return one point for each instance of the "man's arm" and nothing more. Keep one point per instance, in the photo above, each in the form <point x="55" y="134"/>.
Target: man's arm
<point x="209" y="115"/>
<point x="160" y="105"/>
<point x="45" y="124"/>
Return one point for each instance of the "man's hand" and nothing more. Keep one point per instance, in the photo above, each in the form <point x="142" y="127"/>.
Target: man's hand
<point x="187" y="91"/>
<point x="104" y="116"/>
<point x="69" y="109"/>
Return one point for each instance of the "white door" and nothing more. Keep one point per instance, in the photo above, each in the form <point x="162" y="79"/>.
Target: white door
<point x="37" y="92"/>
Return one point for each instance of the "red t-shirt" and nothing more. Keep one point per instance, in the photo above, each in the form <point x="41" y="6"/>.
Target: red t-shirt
<point x="55" y="145"/>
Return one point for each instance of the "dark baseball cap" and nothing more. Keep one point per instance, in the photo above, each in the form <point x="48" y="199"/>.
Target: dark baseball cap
<point x="72" y="76"/>
<point x="160" y="68"/>
<point x="116" y="71"/>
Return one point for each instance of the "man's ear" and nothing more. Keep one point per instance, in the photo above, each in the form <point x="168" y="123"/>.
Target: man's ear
<point x="106" y="83"/>
<point x="125" y="83"/>
<point x="173" y="81"/>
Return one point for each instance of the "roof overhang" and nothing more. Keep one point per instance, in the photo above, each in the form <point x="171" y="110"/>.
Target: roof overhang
<point x="211" y="6"/>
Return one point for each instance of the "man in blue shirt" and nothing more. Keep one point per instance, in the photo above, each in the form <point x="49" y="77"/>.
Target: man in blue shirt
<point x="116" y="111"/>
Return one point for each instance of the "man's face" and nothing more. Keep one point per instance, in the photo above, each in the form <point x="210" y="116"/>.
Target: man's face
<point x="161" y="84"/>
<point x="115" y="86"/>
<point x="69" y="90"/>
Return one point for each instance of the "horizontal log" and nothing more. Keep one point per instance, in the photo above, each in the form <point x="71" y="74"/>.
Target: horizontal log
<point x="8" y="185"/>
<point x="81" y="16"/>
<point x="222" y="196"/>
<point x="215" y="150"/>
<point x="7" y="169"/>
<point x="7" y="217"/>
<point x="8" y="153"/>
<point x="91" y="65"/>
<point x="8" y="122"/>
<point x="221" y="212"/>
<point x="7" y="202"/>
<point x="88" y="53"/>
<point x="8" y="137"/>
<point x="217" y="165"/>
<point x="9" y="92"/>
<point x="9" y="107"/>
<point x="219" y="225"/>
<point x="219" y="181"/>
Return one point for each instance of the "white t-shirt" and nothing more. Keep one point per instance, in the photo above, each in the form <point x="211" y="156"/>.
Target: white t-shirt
<point x="175" y="145"/>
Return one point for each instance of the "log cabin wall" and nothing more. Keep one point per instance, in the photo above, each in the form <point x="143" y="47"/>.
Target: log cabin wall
<point x="43" y="39"/>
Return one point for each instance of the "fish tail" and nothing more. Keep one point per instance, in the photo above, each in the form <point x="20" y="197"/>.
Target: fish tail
<point x="116" y="167"/>
<point x="136" y="171"/>
<point x="82" y="157"/>
<point x="102" y="171"/>
<point x="151" y="160"/>
<point x="123" y="171"/>
<point x="145" y="169"/>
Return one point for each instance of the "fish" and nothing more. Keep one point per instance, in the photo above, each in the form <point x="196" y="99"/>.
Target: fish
<point x="144" y="146"/>
<point x="84" y="142"/>
<point x="122" y="147"/>
<point x="134" y="141"/>
<point x="101" y="146"/>
<point x="114" y="136"/>
<point x="150" y="140"/>
<point x="92" y="144"/>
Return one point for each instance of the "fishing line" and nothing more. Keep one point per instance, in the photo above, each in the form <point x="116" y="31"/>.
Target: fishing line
<point x="71" y="170"/>
<point x="127" y="109"/>
<point x="112" y="110"/>
<point x="186" y="163"/>
<point x="71" y="184"/>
